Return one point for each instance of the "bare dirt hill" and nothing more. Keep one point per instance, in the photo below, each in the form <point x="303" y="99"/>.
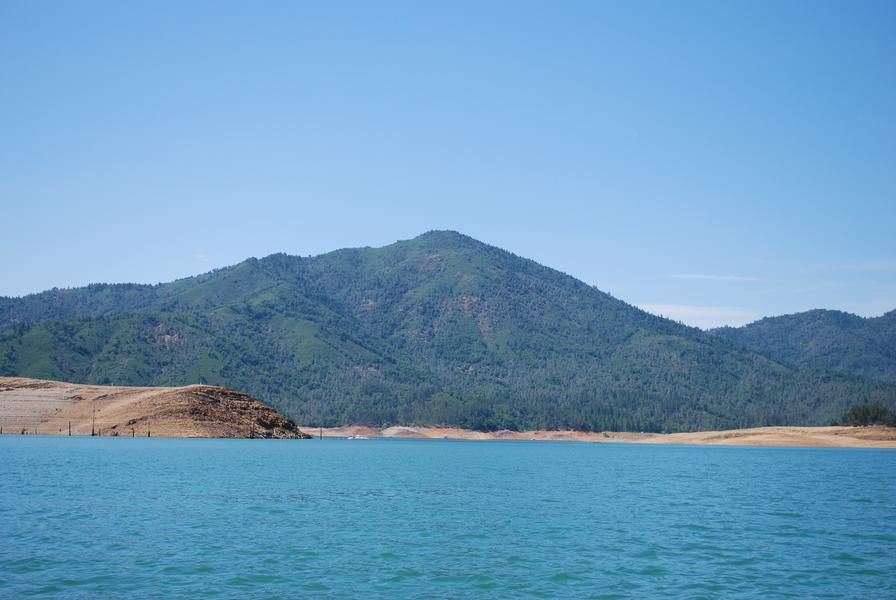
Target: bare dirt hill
<point x="48" y="407"/>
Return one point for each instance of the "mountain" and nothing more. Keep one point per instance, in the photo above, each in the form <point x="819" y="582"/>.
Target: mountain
<point x="441" y="330"/>
<point x="826" y="339"/>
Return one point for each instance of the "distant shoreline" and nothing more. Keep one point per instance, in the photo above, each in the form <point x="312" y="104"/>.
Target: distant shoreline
<point x="59" y="408"/>
<point x="780" y="436"/>
<point x="831" y="437"/>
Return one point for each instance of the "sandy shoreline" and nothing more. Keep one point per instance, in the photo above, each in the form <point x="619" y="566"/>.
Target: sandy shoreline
<point x="835" y="436"/>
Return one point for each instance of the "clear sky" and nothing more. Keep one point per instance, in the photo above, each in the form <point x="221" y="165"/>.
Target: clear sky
<point x="714" y="162"/>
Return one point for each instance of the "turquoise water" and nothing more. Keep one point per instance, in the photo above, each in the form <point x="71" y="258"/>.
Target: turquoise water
<point x="125" y="517"/>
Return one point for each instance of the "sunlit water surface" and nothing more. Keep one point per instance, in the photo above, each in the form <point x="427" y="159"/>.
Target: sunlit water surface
<point x="121" y="517"/>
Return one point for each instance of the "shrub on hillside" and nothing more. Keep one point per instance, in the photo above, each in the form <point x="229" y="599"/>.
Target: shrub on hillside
<point x="869" y="414"/>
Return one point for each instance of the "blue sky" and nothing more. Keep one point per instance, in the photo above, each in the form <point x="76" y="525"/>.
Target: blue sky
<point x="715" y="162"/>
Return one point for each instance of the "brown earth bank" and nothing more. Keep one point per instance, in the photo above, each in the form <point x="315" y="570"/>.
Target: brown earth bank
<point x="835" y="436"/>
<point x="48" y="407"/>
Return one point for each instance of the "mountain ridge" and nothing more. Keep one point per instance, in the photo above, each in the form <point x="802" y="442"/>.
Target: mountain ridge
<point x="823" y="338"/>
<point x="440" y="329"/>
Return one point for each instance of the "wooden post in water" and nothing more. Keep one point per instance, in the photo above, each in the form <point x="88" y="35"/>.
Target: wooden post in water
<point x="320" y="433"/>
<point x="93" y="424"/>
<point x="69" y="429"/>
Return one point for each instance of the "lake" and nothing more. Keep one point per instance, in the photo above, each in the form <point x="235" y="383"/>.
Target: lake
<point x="126" y="517"/>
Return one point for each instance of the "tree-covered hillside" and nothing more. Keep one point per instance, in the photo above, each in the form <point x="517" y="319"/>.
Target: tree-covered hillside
<point x="440" y="329"/>
<point x="824" y="339"/>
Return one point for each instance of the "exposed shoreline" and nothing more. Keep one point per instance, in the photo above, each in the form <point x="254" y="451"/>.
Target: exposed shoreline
<point x="36" y="406"/>
<point x="49" y="407"/>
<point x="834" y="436"/>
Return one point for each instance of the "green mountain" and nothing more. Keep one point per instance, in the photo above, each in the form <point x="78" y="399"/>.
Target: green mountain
<point x="440" y="329"/>
<point x="825" y="339"/>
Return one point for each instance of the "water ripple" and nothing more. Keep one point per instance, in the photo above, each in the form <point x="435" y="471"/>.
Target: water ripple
<point x="119" y="518"/>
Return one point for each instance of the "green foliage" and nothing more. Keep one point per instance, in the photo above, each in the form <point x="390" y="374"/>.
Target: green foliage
<point x="827" y="339"/>
<point x="440" y="329"/>
<point x="869" y="414"/>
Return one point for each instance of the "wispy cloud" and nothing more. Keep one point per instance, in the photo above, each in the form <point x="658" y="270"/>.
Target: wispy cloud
<point x="704" y="317"/>
<point x="871" y="264"/>
<point x="714" y="277"/>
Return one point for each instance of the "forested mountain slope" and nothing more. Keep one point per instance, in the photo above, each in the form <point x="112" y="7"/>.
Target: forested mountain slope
<point x="440" y="329"/>
<point x="826" y="339"/>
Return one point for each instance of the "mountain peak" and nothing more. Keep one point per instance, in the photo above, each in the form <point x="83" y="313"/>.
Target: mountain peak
<point x="442" y="234"/>
<point x="445" y="237"/>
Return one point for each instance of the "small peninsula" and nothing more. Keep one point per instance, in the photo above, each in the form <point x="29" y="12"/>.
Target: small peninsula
<point x="36" y="406"/>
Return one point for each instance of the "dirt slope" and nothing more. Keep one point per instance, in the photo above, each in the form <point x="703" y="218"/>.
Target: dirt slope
<point x="47" y="407"/>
